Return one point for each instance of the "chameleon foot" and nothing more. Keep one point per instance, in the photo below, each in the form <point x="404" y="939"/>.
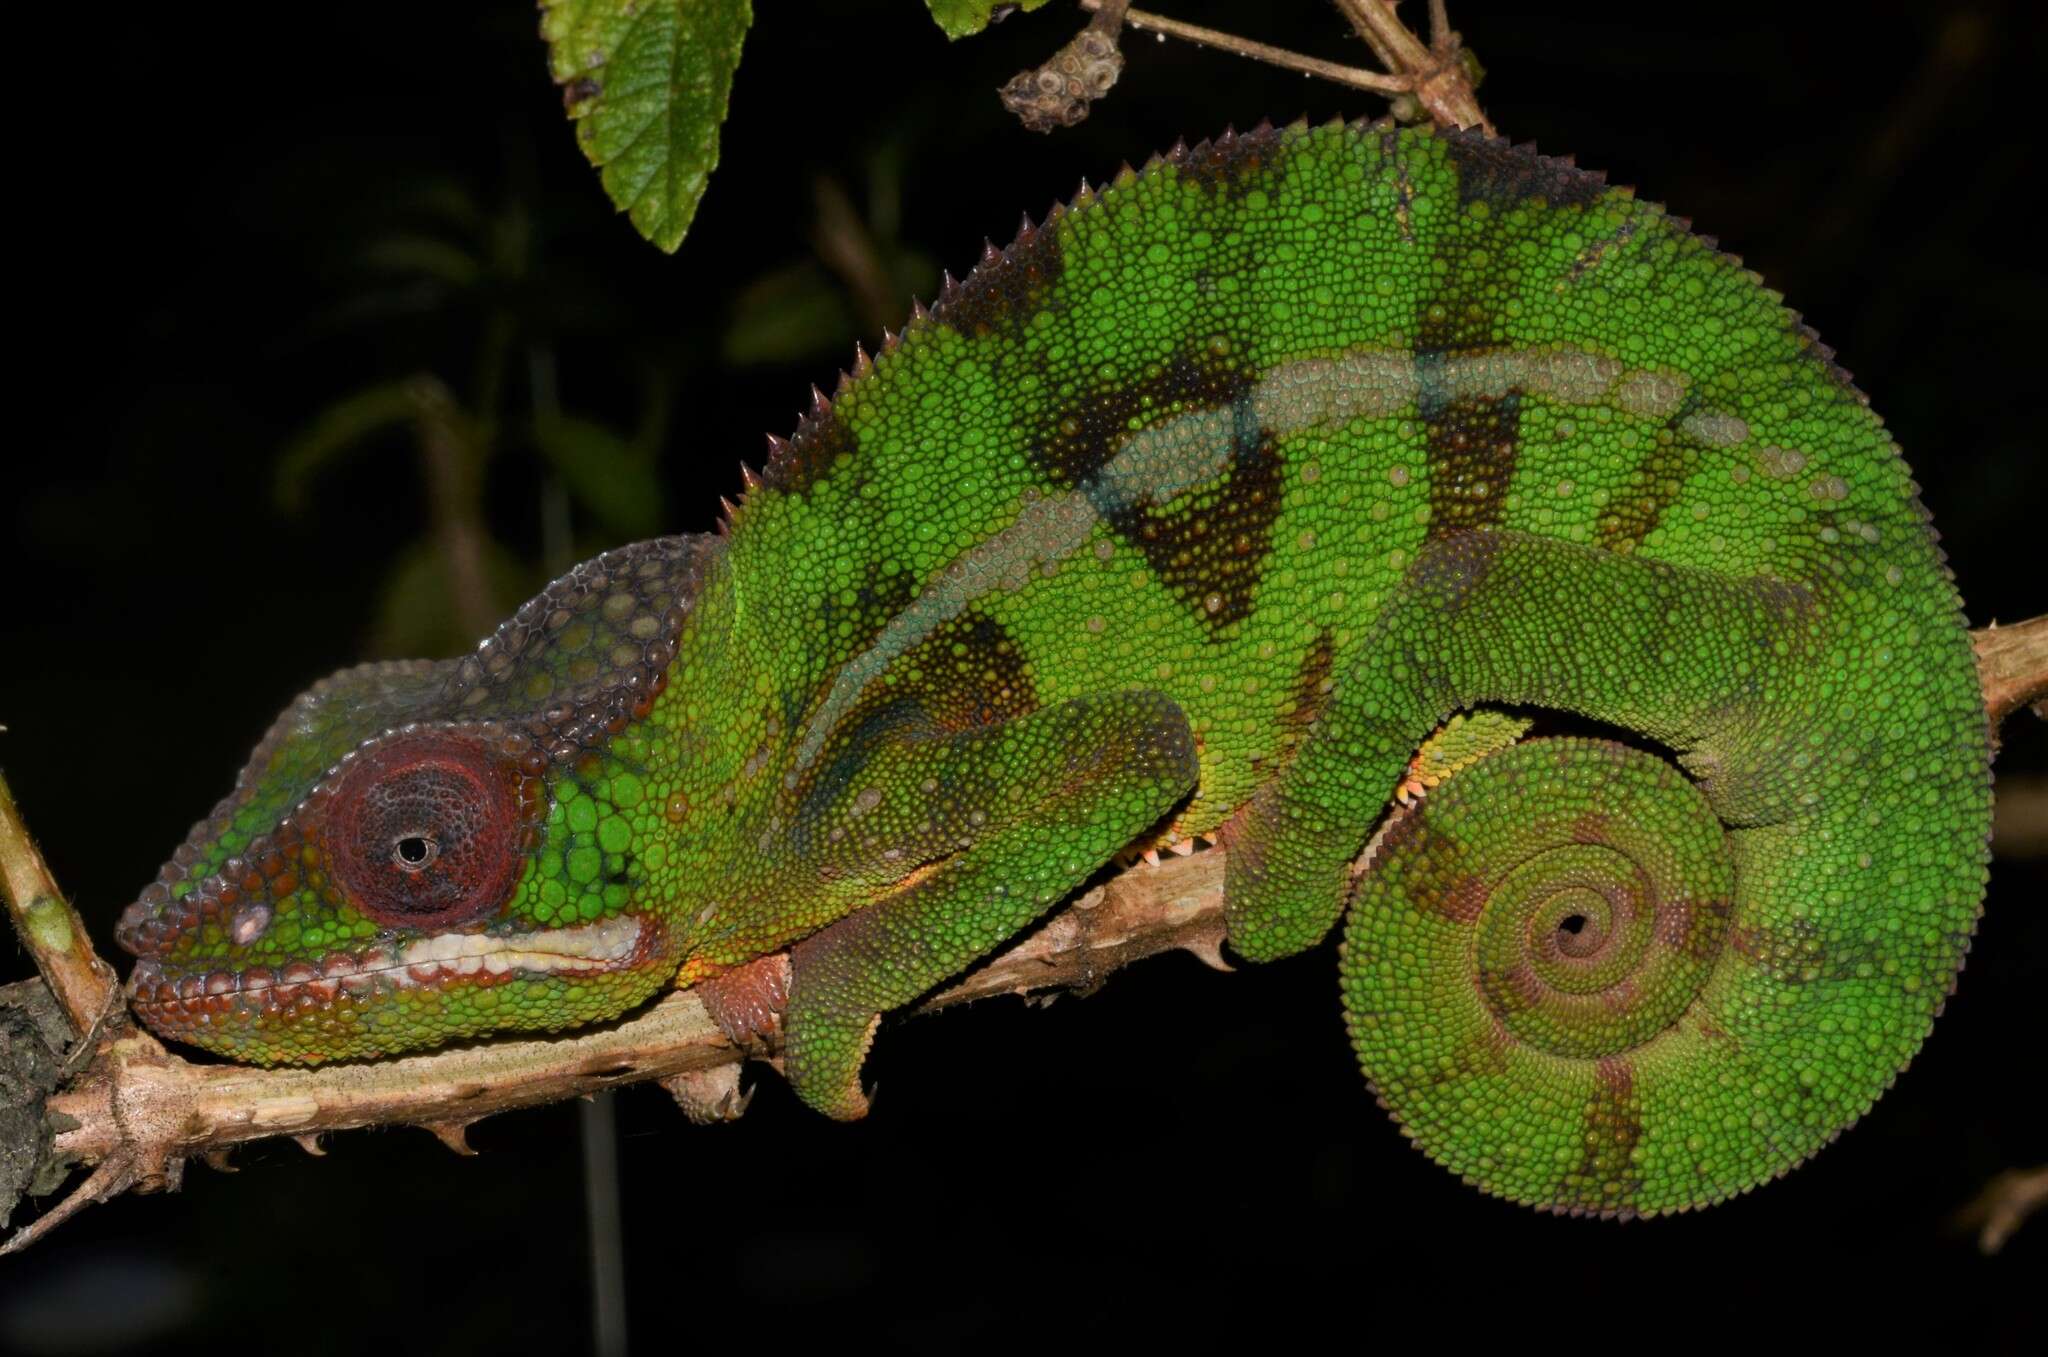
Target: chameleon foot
<point x="1458" y="743"/>
<point x="747" y="1001"/>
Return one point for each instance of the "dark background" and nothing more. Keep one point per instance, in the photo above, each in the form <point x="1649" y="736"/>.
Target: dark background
<point x="1184" y="1155"/>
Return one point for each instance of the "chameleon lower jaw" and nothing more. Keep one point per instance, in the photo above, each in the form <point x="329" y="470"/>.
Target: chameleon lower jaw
<point x="476" y="959"/>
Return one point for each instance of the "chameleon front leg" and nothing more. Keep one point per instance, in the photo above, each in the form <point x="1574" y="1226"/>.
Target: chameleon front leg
<point x="1068" y="787"/>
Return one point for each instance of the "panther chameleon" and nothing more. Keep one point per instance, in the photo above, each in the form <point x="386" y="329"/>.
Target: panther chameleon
<point x="1195" y="512"/>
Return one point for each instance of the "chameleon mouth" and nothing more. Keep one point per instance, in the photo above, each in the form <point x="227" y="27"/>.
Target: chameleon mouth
<point x="480" y="959"/>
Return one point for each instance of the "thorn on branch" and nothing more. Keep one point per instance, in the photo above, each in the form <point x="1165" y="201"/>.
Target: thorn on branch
<point x="453" y="1134"/>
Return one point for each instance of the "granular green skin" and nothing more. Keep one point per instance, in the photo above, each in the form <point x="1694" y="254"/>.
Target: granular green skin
<point x="1197" y="511"/>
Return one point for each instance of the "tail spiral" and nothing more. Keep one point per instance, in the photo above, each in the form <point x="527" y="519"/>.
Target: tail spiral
<point x="1556" y="986"/>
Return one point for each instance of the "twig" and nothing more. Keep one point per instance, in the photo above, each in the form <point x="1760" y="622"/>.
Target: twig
<point x="145" y="1111"/>
<point x="1436" y="75"/>
<point x="846" y="246"/>
<point x="2004" y="1205"/>
<point x="452" y="462"/>
<point x="1354" y="76"/>
<point x="85" y="986"/>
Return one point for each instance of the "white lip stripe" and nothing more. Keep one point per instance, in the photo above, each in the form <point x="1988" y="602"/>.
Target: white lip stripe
<point x="584" y="947"/>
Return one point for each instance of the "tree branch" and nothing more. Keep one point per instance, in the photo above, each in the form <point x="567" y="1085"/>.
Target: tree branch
<point x="2012" y="664"/>
<point x="50" y="928"/>
<point x="139" y="1111"/>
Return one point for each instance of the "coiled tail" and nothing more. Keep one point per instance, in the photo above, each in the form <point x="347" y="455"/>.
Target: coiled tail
<point x="1623" y="981"/>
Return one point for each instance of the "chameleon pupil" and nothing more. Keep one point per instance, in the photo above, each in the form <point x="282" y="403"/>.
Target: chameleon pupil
<point x="415" y="851"/>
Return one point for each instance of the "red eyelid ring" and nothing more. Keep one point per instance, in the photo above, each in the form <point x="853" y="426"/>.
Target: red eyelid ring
<point x="474" y="806"/>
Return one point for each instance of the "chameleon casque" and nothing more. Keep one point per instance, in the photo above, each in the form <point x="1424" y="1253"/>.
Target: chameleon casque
<point x="1197" y="511"/>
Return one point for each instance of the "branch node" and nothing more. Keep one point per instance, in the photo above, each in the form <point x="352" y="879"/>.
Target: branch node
<point x="1060" y="92"/>
<point x="710" y="1096"/>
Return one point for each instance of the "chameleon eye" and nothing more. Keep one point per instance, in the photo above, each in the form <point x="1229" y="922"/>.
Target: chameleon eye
<point x="426" y="830"/>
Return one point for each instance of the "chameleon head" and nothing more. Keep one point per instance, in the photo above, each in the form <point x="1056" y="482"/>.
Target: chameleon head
<point x="422" y="852"/>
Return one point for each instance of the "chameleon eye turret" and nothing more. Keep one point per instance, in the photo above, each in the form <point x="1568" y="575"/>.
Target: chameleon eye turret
<point x="1297" y="472"/>
<point x="429" y="828"/>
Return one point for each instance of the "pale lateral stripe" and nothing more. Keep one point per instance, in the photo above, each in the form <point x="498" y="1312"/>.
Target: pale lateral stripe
<point x="1159" y="464"/>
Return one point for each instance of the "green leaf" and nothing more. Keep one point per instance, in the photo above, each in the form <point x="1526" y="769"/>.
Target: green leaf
<point x="646" y="82"/>
<point x="801" y="312"/>
<point x="612" y="478"/>
<point x="962" y="17"/>
<point x="791" y="314"/>
<point x="416" y="612"/>
<point x="338" y="430"/>
<point x="426" y="257"/>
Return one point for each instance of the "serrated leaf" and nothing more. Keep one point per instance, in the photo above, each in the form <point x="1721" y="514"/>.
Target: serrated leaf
<point x="963" y="17"/>
<point x="646" y="82"/>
